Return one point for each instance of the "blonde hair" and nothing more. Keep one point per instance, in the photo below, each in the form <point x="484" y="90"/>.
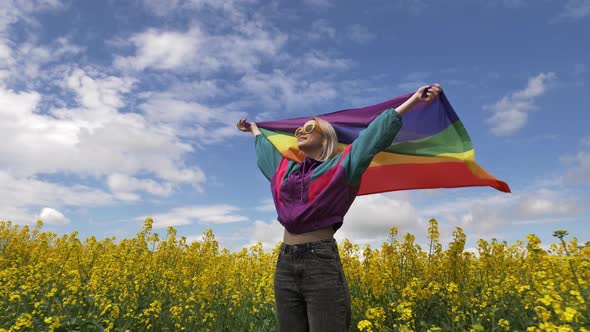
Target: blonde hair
<point x="329" y="139"/>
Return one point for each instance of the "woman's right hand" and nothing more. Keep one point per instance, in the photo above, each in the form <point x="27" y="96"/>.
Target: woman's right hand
<point x="244" y="125"/>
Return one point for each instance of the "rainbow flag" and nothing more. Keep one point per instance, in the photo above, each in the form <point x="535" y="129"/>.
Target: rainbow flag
<point x="432" y="149"/>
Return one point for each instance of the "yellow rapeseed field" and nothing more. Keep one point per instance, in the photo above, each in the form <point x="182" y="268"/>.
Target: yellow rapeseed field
<point x="161" y="283"/>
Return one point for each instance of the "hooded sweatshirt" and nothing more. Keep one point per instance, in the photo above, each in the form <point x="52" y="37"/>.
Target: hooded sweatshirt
<point x="312" y="195"/>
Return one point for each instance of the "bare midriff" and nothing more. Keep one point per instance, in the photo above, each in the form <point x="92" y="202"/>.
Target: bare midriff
<point x="320" y="234"/>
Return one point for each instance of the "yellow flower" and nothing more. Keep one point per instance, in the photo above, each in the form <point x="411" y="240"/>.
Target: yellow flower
<point x="155" y="281"/>
<point x="24" y="320"/>
<point x="504" y="324"/>
<point x="52" y="322"/>
<point x="15" y="297"/>
<point x="570" y="314"/>
<point x="565" y="328"/>
<point x="452" y="287"/>
<point x="365" y="325"/>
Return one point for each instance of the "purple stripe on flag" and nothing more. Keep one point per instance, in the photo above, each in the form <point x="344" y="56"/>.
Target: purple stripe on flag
<point x="423" y="121"/>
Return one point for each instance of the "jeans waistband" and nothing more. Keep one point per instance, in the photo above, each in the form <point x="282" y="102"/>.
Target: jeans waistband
<point x="303" y="247"/>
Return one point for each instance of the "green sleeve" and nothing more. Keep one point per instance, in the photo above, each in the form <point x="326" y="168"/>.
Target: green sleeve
<point x="267" y="156"/>
<point x="372" y="140"/>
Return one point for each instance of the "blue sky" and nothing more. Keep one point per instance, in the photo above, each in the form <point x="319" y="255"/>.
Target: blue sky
<point x="113" y="111"/>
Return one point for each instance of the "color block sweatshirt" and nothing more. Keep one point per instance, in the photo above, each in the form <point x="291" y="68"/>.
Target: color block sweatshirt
<point x="312" y="194"/>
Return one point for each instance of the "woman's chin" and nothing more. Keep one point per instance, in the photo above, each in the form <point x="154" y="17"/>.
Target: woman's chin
<point x="303" y="147"/>
<point x="308" y="148"/>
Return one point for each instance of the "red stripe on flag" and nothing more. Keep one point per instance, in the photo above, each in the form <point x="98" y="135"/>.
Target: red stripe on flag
<point x="425" y="176"/>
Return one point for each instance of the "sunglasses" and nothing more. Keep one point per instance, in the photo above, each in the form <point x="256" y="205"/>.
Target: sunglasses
<point x="306" y="129"/>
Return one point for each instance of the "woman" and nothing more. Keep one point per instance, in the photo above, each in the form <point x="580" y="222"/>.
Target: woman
<point x="311" y="199"/>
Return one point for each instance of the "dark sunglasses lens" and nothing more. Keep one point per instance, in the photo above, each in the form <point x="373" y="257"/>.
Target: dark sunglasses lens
<point x="298" y="132"/>
<point x="309" y="128"/>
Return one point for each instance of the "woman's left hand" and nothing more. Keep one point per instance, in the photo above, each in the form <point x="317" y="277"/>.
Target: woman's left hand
<point x="428" y="93"/>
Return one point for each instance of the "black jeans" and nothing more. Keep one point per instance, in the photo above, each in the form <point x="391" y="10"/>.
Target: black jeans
<point x="311" y="292"/>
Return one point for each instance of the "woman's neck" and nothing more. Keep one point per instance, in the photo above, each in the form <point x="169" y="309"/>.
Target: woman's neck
<point x="315" y="154"/>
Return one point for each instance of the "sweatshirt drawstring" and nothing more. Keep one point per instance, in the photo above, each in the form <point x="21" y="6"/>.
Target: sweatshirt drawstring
<point x="312" y="164"/>
<point x="302" y="178"/>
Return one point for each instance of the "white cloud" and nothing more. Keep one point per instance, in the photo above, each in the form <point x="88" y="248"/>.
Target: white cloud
<point x="321" y="30"/>
<point x="203" y="89"/>
<point x="195" y="238"/>
<point x="245" y="49"/>
<point x="318" y="3"/>
<point x="543" y="221"/>
<point x="547" y="203"/>
<point x="536" y="86"/>
<point x="191" y="119"/>
<point x="266" y="205"/>
<point x="370" y="218"/>
<point x="492" y="213"/>
<point x="360" y="34"/>
<point x="18" y="191"/>
<point x="123" y="187"/>
<point x="214" y="214"/>
<point x="18" y="215"/>
<point x="6" y="56"/>
<point x="98" y="136"/>
<point x="508" y="117"/>
<point x="162" y="7"/>
<point x="34" y="64"/>
<point x="15" y="107"/>
<point x="20" y="196"/>
<point x="230" y="9"/>
<point x="315" y="60"/>
<point x="98" y="92"/>
<point x="162" y="49"/>
<point x="53" y="217"/>
<point x="576" y="9"/>
<point x="538" y="206"/>
<point x="279" y="90"/>
<point x="196" y="51"/>
<point x="232" y="241"/>
<point x="170" y="110"/>
<point x="21" y="60"/>
<point x="269" y="234"/>
<point x="577" y="171"/>
<point x="14" y="10"/>
<point x="94" y="139"/>
<point x="511" y="113"/>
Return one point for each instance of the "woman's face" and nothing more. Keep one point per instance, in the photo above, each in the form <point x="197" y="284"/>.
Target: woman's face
<point x="309" y="136"/>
